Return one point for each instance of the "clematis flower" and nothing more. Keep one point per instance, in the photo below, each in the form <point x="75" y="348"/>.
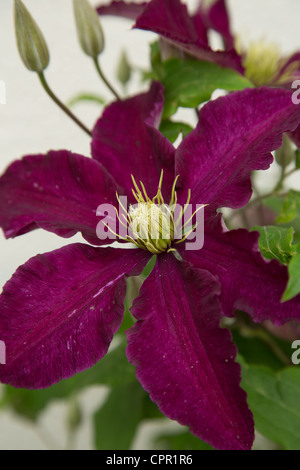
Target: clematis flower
<point x="171" y="20"/>
<point x="261" y="63"/>
<point x="60" y="310"/>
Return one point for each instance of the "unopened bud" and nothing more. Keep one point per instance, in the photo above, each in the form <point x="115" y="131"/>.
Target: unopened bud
<point x="297" y="159"/>
<point x="285" y="154"/>
<point x="123" y="70"/>
<point x="89" y="29"/>
<point x="30" y="40"/>
<point x="74" y="417"/>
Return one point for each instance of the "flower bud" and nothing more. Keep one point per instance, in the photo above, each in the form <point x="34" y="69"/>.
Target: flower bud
<point x="74" y="417"/>
<point x="285" y="154"/>
<point x="30" y="40"/>
<point x="123" y="70"/>
<point x="89" y="29"/>
<point x="297" y="159"/>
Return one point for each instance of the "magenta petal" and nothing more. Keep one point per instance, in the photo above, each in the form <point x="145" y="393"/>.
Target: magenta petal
<point x="60" y="310"/>
<point x="294" y="61"/>
<point x="59" y="192"/>
<point x="128" y="10"/>
<point x="234" y="136"/>
<point x="126" y="141"/>
<point x="184" y="359"/>
<point x="249" y="282"/>
<point x="170" y="19"/>
<point x="295" y="136"/>
<point x="216" y="17"/>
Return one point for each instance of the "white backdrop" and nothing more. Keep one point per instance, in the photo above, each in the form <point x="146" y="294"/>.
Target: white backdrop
<point x="31" y="123"/>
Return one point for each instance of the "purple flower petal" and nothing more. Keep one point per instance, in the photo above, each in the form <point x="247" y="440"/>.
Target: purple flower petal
<point x="295" y="136"/>
<point x="249" y="282"/>
<point x="234" y="136"/>
<point x="126" y="141"/>
<point x="59" y="192"/>
<point x="60" y="310"/>
<point x="128" y="10"/>
<point x="170" y="19"/>
<point x="184" y="359"/>
<point x="216" y="17"/>
<point x="294" y="63"/>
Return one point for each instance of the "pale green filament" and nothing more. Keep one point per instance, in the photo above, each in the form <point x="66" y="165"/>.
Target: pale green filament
<point x="151" y="222"/>
<point x="263" y="62"/>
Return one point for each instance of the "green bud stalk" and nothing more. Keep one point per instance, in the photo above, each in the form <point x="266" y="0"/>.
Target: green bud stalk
<point x="89" y="29"/>
<point x="30" y="40"/>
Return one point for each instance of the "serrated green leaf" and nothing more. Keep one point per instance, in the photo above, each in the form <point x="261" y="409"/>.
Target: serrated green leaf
<point x="117" y="420"/>
<point x="290" y="208"/>
<point x="274" y="399"/>
<point x="171" y="129"/>
<point x="293" y="287"/>
<point x="276" y="242"/>
<point x="189" y="83"/>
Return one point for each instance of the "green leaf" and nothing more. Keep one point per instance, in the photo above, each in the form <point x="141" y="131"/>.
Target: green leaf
<point x="291" y="207"/>
<point x="181" y="441"/>
<point x="117" y="420"/>
<point x="189" y="83"/>
<point x="293" y="287"/>
<point x="257" y="351"/>
<point x="276" y="243"/>
<point x="274" y="399"/>
<point x="171" y="129"/>
<point x="274" y="203"/>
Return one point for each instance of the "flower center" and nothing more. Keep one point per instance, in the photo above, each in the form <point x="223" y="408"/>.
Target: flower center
<point x="261" y="62"/>
<point x="264" y="64"/>
<point x="153" y="225"/>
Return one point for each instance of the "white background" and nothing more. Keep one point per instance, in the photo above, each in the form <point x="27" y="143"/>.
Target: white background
<point x="31" y="123"/>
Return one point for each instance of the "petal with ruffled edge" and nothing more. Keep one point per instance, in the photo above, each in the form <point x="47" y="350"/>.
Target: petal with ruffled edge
<point x="170" y="19"/>
<point x="195" y="24"/>
<point x="184" y="359"/>
<point x="234" y="136"/>
<point x="249" y="282"/>
<point x="130" y="10"/>
<point x="60" y="310"/>
<point x="59" y="192"/>
<point x="126" y="142"/>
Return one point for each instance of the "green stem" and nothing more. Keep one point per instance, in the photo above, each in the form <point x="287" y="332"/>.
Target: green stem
<point x="281" y="180"/>
<point x="61" y="105"/>
<point x="289" y="173"/>
<point x="105" y="79"/>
